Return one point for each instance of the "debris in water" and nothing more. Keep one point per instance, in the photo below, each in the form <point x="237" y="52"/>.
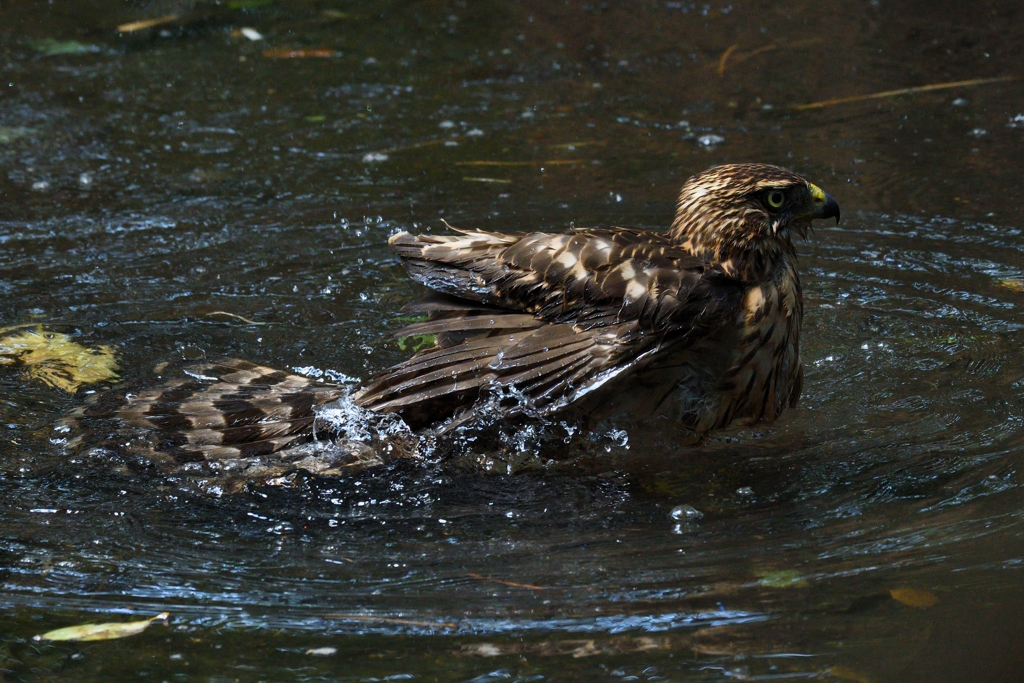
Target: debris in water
<point x="552" y="162"/>
<point x="109" y="631"/>
<point x="235" y="316"/>
<point x="51" y="47"/>
<point x="507" y="583"/>
<point x="914" y="597"/>
<point x="781" y="578"/>
<point x="906" y="91"/>
<point x="391" y="620"/>
<point x="576" y="648"/>
<point x="52" y="358"/>
<point x="322" y="651"/>
<point x="142" y="25"/>
<point x="486" y="180"/>
<point x="423" y="341"/>
<point x="730" y="53"/>
<point x="250" y="33"/>
<point x="286" y="53"/>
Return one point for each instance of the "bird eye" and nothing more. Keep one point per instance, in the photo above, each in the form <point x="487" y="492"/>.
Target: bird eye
<point x="776" y="198"/>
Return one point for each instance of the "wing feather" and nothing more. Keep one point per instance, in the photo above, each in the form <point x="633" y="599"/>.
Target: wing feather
<point x="555" y="316"/>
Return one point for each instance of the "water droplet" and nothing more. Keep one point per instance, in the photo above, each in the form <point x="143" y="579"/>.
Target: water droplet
<point x="710" y="140"/>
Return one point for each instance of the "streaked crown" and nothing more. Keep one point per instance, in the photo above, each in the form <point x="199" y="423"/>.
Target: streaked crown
<point x="732" y="210"/>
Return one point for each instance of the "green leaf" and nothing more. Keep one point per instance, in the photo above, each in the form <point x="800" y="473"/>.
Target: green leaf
<point x="781" y="578"/>
<point x="50" y="47"/>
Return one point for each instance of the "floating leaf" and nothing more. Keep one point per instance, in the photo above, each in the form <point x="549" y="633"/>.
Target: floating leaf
<point x="1013" y="285"/>
<point x="914" y="597"/>
<point x="50" y="47"/>
<point x="424" y="341"/>
<point x="54" y="359"/>
<point x="783" y="578"/>
<point x="109" y="631"/>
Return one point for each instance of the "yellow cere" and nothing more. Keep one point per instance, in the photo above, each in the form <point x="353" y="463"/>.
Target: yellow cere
<point x="818" y="194"/>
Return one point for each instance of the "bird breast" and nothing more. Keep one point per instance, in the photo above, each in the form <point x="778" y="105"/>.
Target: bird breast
<point x="765" y="375"/>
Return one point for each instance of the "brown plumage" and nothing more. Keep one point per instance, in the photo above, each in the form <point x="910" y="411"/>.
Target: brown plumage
<point x="701" y="322"/>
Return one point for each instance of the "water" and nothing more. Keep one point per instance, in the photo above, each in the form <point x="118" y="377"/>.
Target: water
<point x="152" y="184"/>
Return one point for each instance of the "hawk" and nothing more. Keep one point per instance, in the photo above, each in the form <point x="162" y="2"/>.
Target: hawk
<point x="701" y="323"/>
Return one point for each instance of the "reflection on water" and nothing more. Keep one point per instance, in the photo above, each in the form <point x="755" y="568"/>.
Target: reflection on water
<point x="152" y="184"/>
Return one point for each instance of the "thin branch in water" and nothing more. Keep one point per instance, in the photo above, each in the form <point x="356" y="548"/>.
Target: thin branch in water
<point x="486" y="180"/>
<point x="725" y="58"/>
<point x="392" y="620"/>
<point x="142" y="25"/>
<point x="507" y="583"/>
<point x="552" y="162"/>
<point x="732" y="57"/>
<point x="234" y="315"/>
<point x="905" y="91"/>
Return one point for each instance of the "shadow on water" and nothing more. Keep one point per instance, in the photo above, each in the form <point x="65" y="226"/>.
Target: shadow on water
<point x="155" y="181"/>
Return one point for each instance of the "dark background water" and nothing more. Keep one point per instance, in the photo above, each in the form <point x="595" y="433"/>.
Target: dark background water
<point x="153" y="179"/>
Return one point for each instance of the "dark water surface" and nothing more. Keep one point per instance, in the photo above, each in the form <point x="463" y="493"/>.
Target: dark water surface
<point x="150" y="181"/>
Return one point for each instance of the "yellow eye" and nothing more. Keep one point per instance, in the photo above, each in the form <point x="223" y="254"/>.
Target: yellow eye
<point x="776" y="198"/>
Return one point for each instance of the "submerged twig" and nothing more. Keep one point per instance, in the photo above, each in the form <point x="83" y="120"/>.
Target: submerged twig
<point x="300" y="53"/>
<point x="507" y="583"/>
<point x="730" y="54"/>
<point x="143" y="24"/>
<point x="905" y="91"/>
<point x="486" y="180"/>
<point x="580" y="143"/>
<point x="725" y="57"/>
<point x="392" y="620"/>
<point x="234" y="315"/>
<point x="552" y="162"/>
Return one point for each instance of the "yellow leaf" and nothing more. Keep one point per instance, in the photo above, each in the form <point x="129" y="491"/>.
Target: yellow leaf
<point x="1012" y="285"/>
<point x="914" y="597"/>
<point x="52" y="358"/>
<point x="102" y="631"/>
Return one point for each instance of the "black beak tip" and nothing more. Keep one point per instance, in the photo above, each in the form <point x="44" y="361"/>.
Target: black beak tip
<point x="830" y="209"/>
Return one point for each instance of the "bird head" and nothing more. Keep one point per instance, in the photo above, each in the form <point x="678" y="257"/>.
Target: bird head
<point x="738" y="211"/>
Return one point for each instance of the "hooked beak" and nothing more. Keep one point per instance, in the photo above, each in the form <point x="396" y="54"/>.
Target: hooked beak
<point x="824" y="205"/>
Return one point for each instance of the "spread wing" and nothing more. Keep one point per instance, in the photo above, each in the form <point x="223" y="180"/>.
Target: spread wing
<point x="539" y="321"/>
<point x="220" y="410"/>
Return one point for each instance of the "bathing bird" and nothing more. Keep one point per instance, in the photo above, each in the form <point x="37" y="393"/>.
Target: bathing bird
<point x="700" y="323"/>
